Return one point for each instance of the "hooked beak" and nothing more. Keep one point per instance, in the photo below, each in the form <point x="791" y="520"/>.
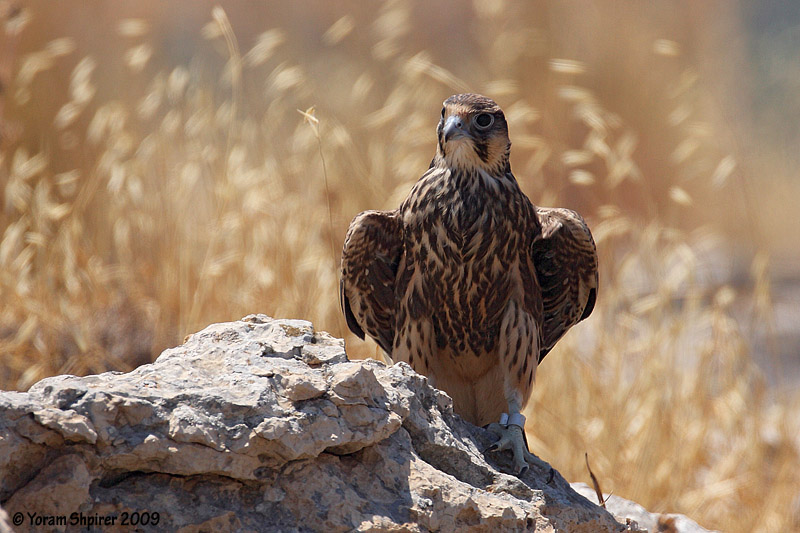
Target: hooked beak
<point x="454" y="128"/>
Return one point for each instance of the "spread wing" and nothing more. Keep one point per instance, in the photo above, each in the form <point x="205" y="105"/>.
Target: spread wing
<point x="372" y="250"/>
<point x="565" y="259"/>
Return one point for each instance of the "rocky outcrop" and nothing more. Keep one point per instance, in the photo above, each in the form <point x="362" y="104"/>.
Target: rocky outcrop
<point x="264" y="425"/>
<point x="632" y="512"/>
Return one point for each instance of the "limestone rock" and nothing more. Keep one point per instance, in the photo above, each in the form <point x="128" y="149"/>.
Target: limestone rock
<point x="626" y="510"/>
<point x="265" y="425"/>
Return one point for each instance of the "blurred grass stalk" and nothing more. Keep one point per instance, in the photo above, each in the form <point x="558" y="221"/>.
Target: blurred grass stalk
<point x="139" y="205"/>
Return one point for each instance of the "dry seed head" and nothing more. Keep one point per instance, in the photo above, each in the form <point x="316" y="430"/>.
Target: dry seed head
<point x="21" y="265"/>
<point x="66" y="182"/>
<point x="581" y="177"/>
<point x="27" y="330"/>
<point x="679" y="114"/>
<point x="132" y="27"/>
<point x="149" y="104"/>
<point x="502" y="88"/>
<point x="121" y="144"/>
<point x="116" y="179"/>
<point x="684" y="150"/>
<point x="32" y="64"/>
<point x="286" y="77"/>
<point x="340" y="136"/>
<point x="23" y="167"/>
<point x="447" y="78"/>
<point x="137" y="57"/>
<point x="666" y="47"/>
<point x="36" y="239"/>
<point x="575" y="158"/>
<point x="172" y="120"/>
<point x="572" y="93"/>
<point x="222" y="21"/>
<point x="609" y="228"/>
<point x="394" y="21"/>
<point x="385" y="49"/>
<point x="384" y="115"/>
<point x="596" y="143"/>
<point x="190" y="175"/>
<point x="362" y="87"/>
<point x="265" y="47"/>
<point x="619" y="170"/>
<point x="67" y="114"/>
<point x="98" y="125"/>
<point x="15" y="23"/>
<point x="12" y="242"/>
<point x="567" y="66"/>
<point x="590" y="114"/>
<point x="608" y="211"/>
<point x="134" y="188"/>
<point x="680" y="196"/>
<point x="724" y="297"/>
<point x="681" y="265"/>
<point x="177" y="81"/>
<point x="80" y="86"/>
<point x="211" y="31"/>
<point x="60" y="47"/>
<point x="723" y="171"/>
<point x="626" y="144"/>
<point x="417" y="64"/>
<point x="700" y="129"/>
<point x="488" y="8"/>
<point x="18" y="195"/>
<point x="339" y="30"/>
<point x="520" y="112"/>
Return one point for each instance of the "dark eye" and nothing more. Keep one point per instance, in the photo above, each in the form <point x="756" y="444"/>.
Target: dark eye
<point x="483" y="121"/>
<point x="442" y="112"/>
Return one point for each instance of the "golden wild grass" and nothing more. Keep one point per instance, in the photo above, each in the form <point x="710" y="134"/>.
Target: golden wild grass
<point x="156" y="176"/>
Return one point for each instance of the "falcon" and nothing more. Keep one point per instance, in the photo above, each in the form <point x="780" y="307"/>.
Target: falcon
<point x="468" y="281"/>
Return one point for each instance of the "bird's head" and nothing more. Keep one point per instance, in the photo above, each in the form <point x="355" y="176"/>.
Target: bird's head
<point x="473" y="134"/>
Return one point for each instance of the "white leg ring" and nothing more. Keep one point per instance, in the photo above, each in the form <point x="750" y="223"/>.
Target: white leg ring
<point x="516" y="419"/>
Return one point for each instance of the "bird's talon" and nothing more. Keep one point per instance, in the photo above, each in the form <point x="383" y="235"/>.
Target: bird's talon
<point x="511" y="437"/>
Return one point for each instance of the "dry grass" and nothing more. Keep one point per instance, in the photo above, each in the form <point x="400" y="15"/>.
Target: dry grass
<point x="150" y="187"/>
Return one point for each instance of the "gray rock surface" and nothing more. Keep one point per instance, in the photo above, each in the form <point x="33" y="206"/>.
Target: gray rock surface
<point x="264" y="425"/>
<point x="626" y="510"/>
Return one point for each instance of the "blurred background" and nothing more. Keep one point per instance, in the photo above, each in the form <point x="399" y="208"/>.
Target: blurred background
<point x="156" y="176"/>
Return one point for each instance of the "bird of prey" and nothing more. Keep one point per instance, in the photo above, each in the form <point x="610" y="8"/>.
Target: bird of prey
<point x="468" y="281"/>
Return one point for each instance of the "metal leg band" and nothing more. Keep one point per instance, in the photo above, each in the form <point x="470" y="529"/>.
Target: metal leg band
<point x="516" y="419"/>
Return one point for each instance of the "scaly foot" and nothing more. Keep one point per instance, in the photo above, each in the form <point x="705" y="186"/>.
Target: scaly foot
<point x="511" y="436"/>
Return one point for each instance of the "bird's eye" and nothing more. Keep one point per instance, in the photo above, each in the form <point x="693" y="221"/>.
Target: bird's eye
<point x="483" y="121"/>
<point x="442" y="112"/>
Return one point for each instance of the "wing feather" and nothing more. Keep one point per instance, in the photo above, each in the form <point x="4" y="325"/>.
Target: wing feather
<point x="565" y="258"/>
<point x="372" y="251"/>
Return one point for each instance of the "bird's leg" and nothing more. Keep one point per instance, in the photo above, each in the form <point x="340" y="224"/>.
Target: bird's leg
<point x="511" y="432"/>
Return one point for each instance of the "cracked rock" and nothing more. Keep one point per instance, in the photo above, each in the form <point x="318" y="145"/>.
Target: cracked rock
<point x="264" y="424"/>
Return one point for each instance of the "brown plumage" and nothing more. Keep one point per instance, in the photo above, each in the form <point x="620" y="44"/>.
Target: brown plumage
<point x="467" y="280"/>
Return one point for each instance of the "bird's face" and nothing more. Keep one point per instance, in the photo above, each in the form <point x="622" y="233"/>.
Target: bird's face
<point x="473" y="134"/>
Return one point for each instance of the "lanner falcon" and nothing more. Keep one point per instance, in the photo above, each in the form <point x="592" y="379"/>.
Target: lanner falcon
<point x="468" y="281"/>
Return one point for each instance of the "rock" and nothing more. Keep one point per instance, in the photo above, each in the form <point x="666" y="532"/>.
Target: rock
<point x="626" y="510"/>
<point x="5" y="522"/>
<point x="265" y="425"/>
